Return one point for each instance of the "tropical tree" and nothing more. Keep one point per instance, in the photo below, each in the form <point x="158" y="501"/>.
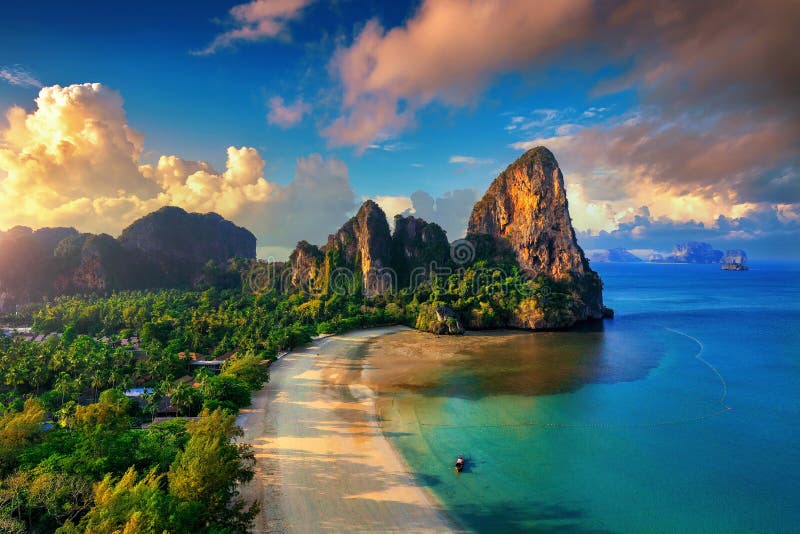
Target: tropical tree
<point x="210" y="469"/>
<point x="18" y="430"/>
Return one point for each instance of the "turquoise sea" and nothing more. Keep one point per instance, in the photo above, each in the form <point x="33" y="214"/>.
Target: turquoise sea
<point x="682" y="414"/>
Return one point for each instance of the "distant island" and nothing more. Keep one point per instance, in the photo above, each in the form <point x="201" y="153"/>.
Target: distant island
<point x="704" y="253"/>
<point x="689" y="252"/>
<point x="613" y="255"/>
<point x="694" y="252"/>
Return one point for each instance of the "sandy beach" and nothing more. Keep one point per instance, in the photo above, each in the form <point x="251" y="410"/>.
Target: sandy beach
<point x="323" y="463"/>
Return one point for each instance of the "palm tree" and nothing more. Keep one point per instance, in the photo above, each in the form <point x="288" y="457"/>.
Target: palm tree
<point x="62" y="385"/>
<point x="152" y="398"/>
<point x="181" y="397"/>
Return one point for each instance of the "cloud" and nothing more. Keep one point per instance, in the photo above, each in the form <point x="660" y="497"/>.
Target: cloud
<point x="374" y="119"/>
<point x="458" y="46"/>
<point x="450" y="211"/>
<point x="196" y="186"/>
<point x="589" y="215"/>
<point x="393" y="205"/>
<point x="16" y="75"/>
<point x="317" y="200"/>
<point x="514" y="123"/>
<point x="716" y="183"/>
<point x="689" y="55"/>
<point x="669" y="52"/>
<point x="74" y="161"/>
<point x="256" y="21"/>
<point x="72" y="155"/>
<point x="284" y="115"/>
<point x="469" y="160"/>
<point x="395" y="146"/>
<point x="763" y="231"/>
<point x="716" y="131"/>
<point x="727" y="162"/>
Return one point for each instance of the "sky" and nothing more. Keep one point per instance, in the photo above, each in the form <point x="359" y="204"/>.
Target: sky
<point x="671" y="120"/>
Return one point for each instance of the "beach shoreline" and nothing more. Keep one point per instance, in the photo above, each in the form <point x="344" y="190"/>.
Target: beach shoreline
<point x="323" y="461"/>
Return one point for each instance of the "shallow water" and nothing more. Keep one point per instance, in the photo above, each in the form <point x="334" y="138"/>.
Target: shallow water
<point x="680" y="415"/>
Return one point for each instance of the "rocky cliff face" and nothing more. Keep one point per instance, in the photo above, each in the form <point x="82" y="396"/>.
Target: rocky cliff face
<point x="362" y="247"/>
<point x="526" y="209"/>
<point x="306" y="261"/>
<point x="188" y="237"/>
<point x="416" y="245"/>
<point x="527" y="206"/>
<point x="27" y="267"/>
<point x="164" y="249"/>
<point x="174" y="244"/>
<point x="364" y="242"/>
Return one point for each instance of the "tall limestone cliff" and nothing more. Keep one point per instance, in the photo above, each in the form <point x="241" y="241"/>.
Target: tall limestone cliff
<point x="175" y="244"/>
<point x="521" y="224"/>
<point x="417" y="245"/>
<point x="362" y="247"/>
<point x="188" y="237"/>
<point x="525" y="209"/>
<point x="306" y="261"/>
<point x="364" y="242"/>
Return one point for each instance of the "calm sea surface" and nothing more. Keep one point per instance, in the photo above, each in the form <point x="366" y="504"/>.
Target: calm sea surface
<point x="682" y="414"/>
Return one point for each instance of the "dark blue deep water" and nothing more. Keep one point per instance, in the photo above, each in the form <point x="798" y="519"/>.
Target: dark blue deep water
<point x="682" y="414"/>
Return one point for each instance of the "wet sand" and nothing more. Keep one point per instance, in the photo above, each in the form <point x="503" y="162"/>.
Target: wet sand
<point x="323" y="463"/>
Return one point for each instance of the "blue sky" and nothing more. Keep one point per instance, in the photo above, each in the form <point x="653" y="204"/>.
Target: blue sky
<point x="437" y="96"/>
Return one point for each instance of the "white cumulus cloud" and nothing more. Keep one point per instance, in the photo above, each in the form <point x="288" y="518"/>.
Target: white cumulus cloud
<point x="75" y="161"/>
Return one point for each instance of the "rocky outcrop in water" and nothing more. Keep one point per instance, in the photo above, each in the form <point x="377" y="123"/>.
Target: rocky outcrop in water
<point x="734" y="260"/>
<point x="735" y="256"/>
<point x="694" y="252"/>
